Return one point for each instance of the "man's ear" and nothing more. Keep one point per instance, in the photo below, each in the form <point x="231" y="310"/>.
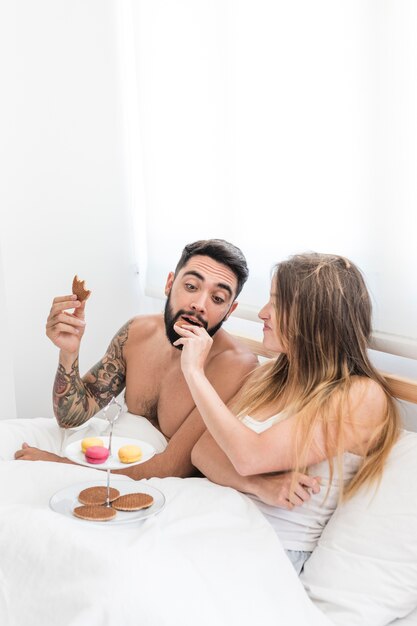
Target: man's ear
<point x="169" y="283"/>
<point x="232" y="308"/>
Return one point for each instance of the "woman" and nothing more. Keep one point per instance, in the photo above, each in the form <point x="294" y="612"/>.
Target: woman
<point x="320" y="405"/>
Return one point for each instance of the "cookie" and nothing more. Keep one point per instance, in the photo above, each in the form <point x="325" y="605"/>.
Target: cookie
<point x="87" y="442"/>
<point x="130" y="454"/>
<point x="97" y="495"/>
<point x="132" y="502"/>
<point x="95" y="513"/>
<point x="78" y="289"/>
<point x="96" y="454"/>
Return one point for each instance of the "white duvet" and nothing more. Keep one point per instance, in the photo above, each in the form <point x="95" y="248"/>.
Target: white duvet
<point x="208" y="558"/>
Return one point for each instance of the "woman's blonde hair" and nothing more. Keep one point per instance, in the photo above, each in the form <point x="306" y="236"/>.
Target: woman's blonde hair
<point x="324" y="315"/>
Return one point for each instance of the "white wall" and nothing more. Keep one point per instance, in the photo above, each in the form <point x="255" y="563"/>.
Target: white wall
<point x="7" y="387"/>
<point x="64" y="207"/>
<point x="66" y="182"/>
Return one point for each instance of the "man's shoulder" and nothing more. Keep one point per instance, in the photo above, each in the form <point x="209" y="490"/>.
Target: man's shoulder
<point x="229" y="348"/>
<point x="142" y="327"/>
<point x="232" y="358"/>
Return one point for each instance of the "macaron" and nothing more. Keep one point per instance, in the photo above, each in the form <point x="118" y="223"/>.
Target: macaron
<point x="91" y="441"/>
<point x="96" y="454"/>
<point x="130" y="454"/>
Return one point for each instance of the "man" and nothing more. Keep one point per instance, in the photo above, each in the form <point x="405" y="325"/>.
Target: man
<point x="142" y="360"/>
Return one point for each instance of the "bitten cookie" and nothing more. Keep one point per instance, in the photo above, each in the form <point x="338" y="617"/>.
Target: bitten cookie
<point x="78" y="289"/>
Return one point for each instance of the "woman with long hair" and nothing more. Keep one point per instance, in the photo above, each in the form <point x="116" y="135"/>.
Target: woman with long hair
<point x="319" y="407"/>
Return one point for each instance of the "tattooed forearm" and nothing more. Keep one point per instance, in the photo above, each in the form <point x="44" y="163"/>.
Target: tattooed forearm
<point x="70" y="397"/>
<point x="107" y="378"/>
<point x="76" y="399"/>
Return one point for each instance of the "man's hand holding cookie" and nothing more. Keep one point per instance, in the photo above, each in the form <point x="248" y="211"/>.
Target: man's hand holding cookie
<point x="65" y="329"/>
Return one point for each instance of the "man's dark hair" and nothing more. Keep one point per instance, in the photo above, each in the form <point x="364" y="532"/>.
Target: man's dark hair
<point x="221" y="251"/>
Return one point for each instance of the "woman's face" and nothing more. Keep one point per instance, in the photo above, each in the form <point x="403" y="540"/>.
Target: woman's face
<point x="272" y="334"/>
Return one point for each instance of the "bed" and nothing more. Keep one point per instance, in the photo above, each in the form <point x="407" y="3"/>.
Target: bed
<point x="208" y="556"/>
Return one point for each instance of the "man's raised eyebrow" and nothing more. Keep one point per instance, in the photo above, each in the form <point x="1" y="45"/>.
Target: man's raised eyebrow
<point x="201" y="277"/>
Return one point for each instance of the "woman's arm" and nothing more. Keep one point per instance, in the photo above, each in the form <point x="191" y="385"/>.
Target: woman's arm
<point x="274" y="489"/>
<point x="274" y="449"/>
<point x="249" y="452"/>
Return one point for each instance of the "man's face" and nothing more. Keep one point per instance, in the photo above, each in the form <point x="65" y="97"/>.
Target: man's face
<point x="202" y="293"/>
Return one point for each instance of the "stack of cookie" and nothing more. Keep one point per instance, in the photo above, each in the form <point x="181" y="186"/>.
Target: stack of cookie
<point x="93" y="500"/>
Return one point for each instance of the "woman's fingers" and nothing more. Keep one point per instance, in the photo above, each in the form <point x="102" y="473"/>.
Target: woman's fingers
<point x="311" y="482"/>
<point x="196" y="344"/>
<point x="186" y="330"/>
<point x="188" y="333"/>
<point x="299" y="495"/>
<point x="304" y="486"/>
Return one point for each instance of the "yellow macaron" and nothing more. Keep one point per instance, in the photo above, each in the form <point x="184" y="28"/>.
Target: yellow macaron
<point x="88" y="442"/>
<point x="130" y="454"/>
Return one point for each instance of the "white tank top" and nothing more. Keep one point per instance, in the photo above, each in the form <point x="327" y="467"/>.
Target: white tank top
<point x="300" y="528"/>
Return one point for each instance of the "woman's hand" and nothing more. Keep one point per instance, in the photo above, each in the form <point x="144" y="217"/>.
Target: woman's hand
<point x="196" y="344"/>
<point x="286" y="489"/>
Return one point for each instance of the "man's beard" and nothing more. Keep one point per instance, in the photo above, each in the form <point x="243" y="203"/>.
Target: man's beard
<point x="170" y="319"/>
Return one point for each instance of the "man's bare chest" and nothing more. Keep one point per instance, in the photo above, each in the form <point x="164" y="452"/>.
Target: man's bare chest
<point x="158" y="391"/>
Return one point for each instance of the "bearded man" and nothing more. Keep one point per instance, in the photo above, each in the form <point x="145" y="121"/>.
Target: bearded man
<point x="142" y="361"/>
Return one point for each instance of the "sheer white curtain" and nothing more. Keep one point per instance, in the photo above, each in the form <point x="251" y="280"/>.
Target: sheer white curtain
<point x="283" y="127"/>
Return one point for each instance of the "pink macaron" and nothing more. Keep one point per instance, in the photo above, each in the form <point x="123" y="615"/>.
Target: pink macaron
<point x="96" y="454"/>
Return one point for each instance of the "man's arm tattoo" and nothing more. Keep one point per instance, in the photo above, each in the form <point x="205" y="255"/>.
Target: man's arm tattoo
<point x="70" y="397"/>
<point x="76" y="399"/>
<point x="107" y="378"/>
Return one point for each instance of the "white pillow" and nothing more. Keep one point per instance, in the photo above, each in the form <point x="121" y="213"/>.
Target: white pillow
<point x="364" y="569"/>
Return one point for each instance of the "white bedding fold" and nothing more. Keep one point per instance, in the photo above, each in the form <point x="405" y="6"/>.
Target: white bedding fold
<point x="208" y="558"/>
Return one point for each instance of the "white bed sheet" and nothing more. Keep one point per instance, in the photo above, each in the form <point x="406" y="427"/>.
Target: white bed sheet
<point x="410" y="620"/>
<point x="209" y="557"/>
